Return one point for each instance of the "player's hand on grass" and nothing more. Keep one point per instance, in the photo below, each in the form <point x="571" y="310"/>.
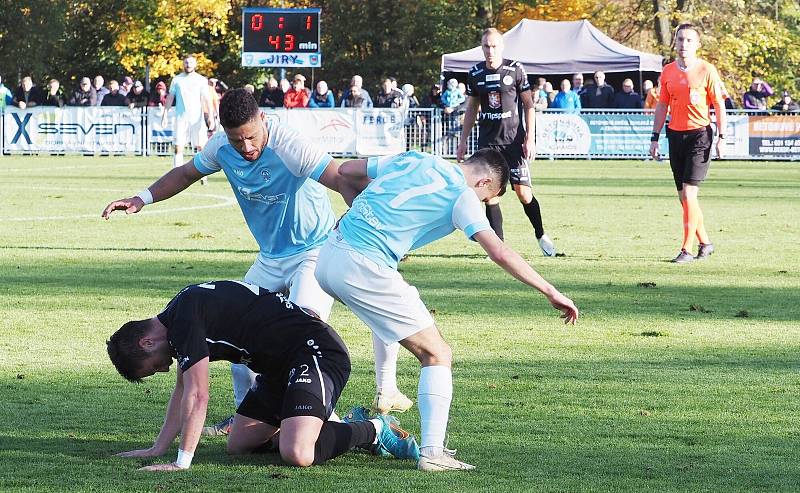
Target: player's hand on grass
<point x="130" y="205"/>
<point x="569" y="312"/>
<point x="145" y="452"/>
<point x="172" y="467"/>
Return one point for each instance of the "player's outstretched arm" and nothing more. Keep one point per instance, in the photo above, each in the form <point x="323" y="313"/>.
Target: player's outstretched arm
<point x="170" y="428"/>
<point x="515" y="265"/>
<point x="191" y="416"/>
<point x="173" y="182"/>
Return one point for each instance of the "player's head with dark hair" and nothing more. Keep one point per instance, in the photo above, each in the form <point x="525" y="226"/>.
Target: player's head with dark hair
<point x="244" y="123"/>
<point x="189" y="63"/>
<point x="139" y="349"/>
<point x="495" y="166"/>
<point x="125" y="351"/>
<point x="237" y="107"/>
<point x="687" y="25"/>
<point x="686" y="40"/>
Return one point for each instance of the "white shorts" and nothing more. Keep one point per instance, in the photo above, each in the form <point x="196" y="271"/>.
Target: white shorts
<point x="187" y="131"/>
<point x="294" y="275"/>
<point x="376" y="293"/>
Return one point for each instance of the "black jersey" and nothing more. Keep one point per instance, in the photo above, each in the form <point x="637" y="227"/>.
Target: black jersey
<point x="242" y="323"/>
<point x="499" y="91"/>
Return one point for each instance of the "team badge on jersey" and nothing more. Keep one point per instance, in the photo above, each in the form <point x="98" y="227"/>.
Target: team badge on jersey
<point x="507" y="80"/>
<point x="494" y="100"/>
<point x="694" y="97"/>
<point x="265" y="174"/>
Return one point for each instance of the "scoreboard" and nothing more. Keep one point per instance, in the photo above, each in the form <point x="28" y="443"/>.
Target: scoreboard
<point x="280" y="37"/>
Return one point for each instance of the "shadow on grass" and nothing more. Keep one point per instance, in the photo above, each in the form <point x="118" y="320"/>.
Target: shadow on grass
<point x="447" y="289"/>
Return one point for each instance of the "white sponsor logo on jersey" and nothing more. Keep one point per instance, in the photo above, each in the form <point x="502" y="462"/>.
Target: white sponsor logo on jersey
<point x="496" y="116"/>
<point x="492" y="77"/>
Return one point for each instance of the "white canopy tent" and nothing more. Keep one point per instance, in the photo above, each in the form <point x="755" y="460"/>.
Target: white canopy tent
<point x="545" y="47"/>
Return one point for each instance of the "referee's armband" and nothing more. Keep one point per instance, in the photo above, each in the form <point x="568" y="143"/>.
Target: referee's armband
<point x="654" y="137"/>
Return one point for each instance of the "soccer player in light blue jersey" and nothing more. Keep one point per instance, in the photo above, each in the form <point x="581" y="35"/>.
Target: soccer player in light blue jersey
<point x="277" y="176"/>
<point x="413" y="199"/>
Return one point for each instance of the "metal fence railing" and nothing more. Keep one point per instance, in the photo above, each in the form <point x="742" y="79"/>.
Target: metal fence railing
<point x="592" y="134"/>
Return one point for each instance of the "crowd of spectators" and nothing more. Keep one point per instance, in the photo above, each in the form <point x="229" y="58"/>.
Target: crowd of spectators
<point x="92" y="92"/>
<point x="571" y="96"/>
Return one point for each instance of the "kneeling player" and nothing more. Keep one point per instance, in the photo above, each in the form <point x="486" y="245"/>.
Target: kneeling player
<point x="302" y="362"/>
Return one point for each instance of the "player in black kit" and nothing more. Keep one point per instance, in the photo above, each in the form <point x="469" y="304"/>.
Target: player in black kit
<point x="302" y="363"/>
<point x="497" y="86"/>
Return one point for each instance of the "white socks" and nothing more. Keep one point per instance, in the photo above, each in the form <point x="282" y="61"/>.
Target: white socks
<point x="243" y="379"/>
<point x="434" y="396"/>
<point x="385" y="365"/>
<point x="378" y="424"/>
<point x="177" y="160"/>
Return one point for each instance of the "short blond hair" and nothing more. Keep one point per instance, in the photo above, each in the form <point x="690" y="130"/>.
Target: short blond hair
<point x="491" y="30"/>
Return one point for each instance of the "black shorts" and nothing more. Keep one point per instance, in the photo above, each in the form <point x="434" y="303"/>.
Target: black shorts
<point x="310" y="386"/>
<point x="689" y="155"/>
<point x="517" y="164"/>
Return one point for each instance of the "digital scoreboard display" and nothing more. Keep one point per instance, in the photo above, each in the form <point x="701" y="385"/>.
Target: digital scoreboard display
<point x="280" y="37"/>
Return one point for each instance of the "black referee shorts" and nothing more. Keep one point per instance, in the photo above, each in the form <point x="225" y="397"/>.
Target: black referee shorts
<point x="689" y="155"/>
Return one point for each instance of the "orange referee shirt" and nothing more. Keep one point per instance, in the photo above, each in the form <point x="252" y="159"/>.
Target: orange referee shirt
<point x="690" y="93"/>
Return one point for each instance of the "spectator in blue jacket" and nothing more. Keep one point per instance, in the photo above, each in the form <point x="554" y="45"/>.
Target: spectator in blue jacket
<point x="321" y="97"/>
<point x="567" y="99"/>
<point x="628" y="99"/>
<point x="452" y="97"/>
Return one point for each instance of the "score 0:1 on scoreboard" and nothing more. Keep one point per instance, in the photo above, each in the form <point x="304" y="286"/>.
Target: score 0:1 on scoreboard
<point x="281" y="37"/>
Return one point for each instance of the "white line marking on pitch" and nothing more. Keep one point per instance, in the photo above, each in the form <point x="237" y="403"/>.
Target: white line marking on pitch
<point x="225" y="202"/>
<point x="84" y="166"/>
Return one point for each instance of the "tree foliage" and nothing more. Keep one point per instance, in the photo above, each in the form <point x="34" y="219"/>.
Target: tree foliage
<point x="404" y="38"/>
<point x="158" y="32"/>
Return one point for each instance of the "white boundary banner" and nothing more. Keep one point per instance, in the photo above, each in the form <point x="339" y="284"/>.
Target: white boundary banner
<point x="345" y="130"/>
<point x="73" y="129"/>
<point x="380" y="131"/>
<point x="158" y="133"/>
<point x="332" y="129"/>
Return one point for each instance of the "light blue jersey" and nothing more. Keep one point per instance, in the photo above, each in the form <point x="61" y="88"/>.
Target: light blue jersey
<point x="286" y="212"/>
<point x="414" y="198"/>
<point x="188" y="90"/>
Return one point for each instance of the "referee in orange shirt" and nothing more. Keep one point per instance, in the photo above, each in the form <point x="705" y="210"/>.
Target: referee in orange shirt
<point x="689" y="86"/>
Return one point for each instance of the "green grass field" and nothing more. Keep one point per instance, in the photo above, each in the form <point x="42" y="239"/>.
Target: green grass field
<point x="690" y="383"/>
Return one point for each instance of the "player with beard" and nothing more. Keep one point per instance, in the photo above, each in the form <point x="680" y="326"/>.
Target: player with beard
<point x="497" y="86"/>
<point x="277" y="176"/>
